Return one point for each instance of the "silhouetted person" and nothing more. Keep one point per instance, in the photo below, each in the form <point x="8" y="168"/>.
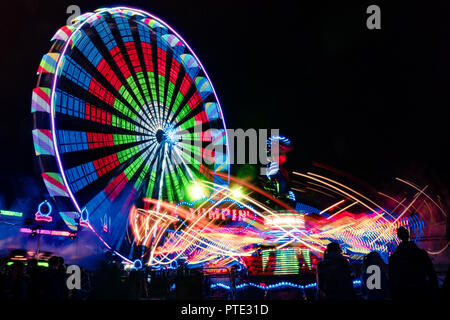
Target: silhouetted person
<point x="190" y="286"/>
<point x="207" y="286"/>
<point x="54" y="281"/>
<point x="17" y="284"/>
<point x="134" y="286"/>
<point x="334" y="281"/>
<point x="233" y="282"/>
<point x="371" y="292"/>
<point x="446" y="285"/>
<point x="411" y="271"/>
<point x="34" y="275"/>
<point x="3" y="278"/>
<point x="109" y="283"/>
<point x="61" y="265"/>
<point x="196" y="283"/>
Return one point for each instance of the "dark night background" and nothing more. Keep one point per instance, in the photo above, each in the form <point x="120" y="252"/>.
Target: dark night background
<point x="368" y="102"/>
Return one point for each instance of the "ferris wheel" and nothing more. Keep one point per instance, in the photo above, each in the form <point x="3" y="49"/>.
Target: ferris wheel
<point x="123" y="110"/>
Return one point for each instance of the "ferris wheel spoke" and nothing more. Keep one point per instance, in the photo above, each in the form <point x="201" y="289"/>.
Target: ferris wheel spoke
<point x="182" y="107"/>
<point x="182" y="86"/>
<point x="114" y="66"/>
<point x="98" y="156"/>
<point x="72" y="141"/>
<point x="159" y="164"/>
<point x="154" y="148"/>
<point x="123" y="36"/>
<point x="77" y="102"/>
<point x="174" y="177"/>
<point x="139" y="61"/>
<point x="173" y="70"/>
<point x="184" y="164"/>
<point x="142" y="51"/>
<point x="101" y="171"/>
<point x="107" y="74"/>
<point x="175" y="73"/>
<point x="191" y="118"/>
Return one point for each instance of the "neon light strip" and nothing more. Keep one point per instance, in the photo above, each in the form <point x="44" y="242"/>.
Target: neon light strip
<point x="103" y="241"/>
<point x="49" y="232"/>
<point x="11" y="213"/>
<point x="40" y="264"/>
<point x="39" y="217"/>
<point x="356" y="283"/>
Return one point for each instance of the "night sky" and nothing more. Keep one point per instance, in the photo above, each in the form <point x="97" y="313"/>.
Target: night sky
<point x="368" y="102"/>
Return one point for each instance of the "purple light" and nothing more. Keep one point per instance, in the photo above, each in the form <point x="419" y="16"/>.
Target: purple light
<point x="39" y="217"/>
<point x="49" y="232"/>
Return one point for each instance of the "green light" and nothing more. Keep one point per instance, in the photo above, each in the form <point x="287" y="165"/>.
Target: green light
<point x="196" y="192"/>
<point x="11" y="213"/>
<point x="40" y="263"/>
<point x="265" y="259"/>
<point x="236" y="193"/>
<point x="306" y="257"/>
<point x="286" y="262"/>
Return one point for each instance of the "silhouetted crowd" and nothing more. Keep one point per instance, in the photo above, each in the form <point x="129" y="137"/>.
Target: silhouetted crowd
<point x="409" y="275"/>
<point x="21" y="282"/>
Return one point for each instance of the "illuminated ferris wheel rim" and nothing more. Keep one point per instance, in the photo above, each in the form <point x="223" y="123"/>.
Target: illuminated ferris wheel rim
<point x="116" y="120"/>
<point x="59" y="64"/>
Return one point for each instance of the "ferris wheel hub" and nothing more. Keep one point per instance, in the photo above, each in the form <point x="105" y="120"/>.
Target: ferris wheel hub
<point x="160" y="136"/>
<point x="167" y="135"/>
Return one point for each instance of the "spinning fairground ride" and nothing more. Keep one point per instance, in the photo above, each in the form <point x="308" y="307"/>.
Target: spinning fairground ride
<point x="123" y="112"/>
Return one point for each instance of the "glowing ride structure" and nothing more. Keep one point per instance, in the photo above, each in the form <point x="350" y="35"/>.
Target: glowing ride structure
<point x="117" y="110"/>
<point x="208" y="232"/>
<point x="123" y="109"/>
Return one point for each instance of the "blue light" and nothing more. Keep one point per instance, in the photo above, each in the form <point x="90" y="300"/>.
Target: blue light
<point x="84" y="215"/>
<point x="272" y="169"/>
<point x="170" y="136"/>
<point x="280" y="139"/>
<point x="174" y="264"/>
<point x="137" y="264"/>
<point x="274" y="286"/>
<point x="291" y="195"/>
<point x="49" y="208"/>
<point x="357" y="283"/>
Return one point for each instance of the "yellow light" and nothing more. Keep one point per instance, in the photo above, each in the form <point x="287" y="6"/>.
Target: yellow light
<point x="196" y="192"/>
<point x="236" y="193"/>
